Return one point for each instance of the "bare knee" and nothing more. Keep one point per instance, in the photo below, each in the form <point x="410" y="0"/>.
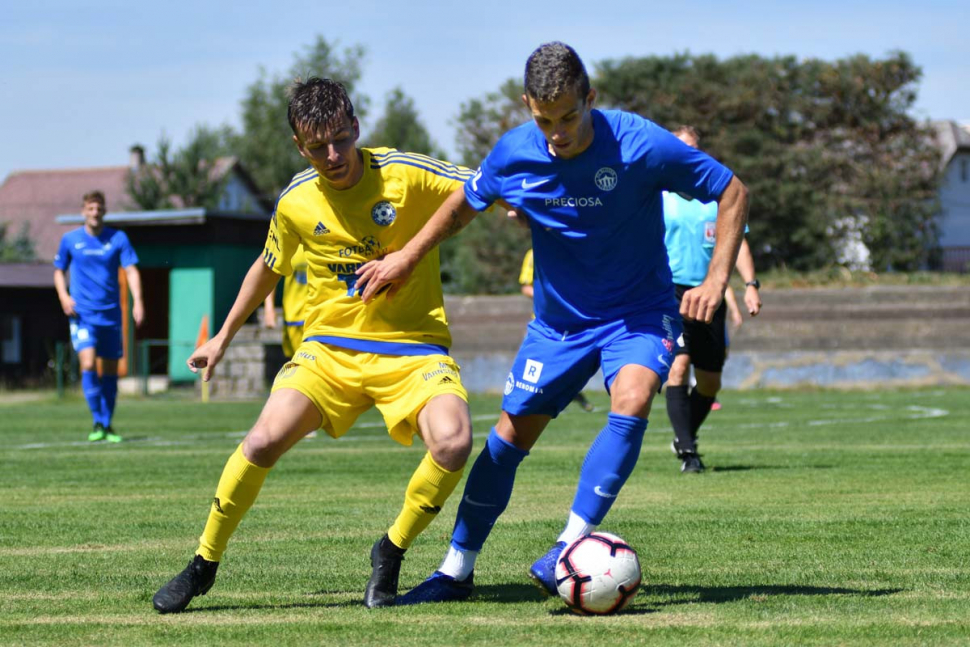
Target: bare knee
<point x="450" y="443"/>
<point x="708" y="383"/>
<point x="261" y="447"/>
<point x="633" y="401"/>
<point x="679" y="371"/>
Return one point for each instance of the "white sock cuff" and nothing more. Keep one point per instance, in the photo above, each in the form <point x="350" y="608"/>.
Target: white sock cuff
<point x="576" y="527"/>
<point x="458" y="563"/>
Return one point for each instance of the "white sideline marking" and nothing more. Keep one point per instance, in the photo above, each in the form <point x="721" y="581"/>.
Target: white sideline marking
<point x="914" y="412"/>
<point x="189" y="439"/>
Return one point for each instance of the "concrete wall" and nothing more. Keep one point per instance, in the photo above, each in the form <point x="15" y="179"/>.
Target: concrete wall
<point x="835" y="338"/>
<point x="842" y="338"/>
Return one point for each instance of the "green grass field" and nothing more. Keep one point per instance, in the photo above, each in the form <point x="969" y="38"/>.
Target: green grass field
<point x="825" y="518"/>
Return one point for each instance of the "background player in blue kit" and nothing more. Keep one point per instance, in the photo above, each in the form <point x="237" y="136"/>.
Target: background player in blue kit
<point x="690" y="238"/>
<point x="90" y="297"/>
<point x="590" y="183"/>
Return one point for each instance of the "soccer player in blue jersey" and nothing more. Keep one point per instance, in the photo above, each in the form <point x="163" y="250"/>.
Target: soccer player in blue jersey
<point x="86" y="279"/>
<point x="691" y="227"/>
<point x="352" y="205"/>
<point x="590" y="184"/>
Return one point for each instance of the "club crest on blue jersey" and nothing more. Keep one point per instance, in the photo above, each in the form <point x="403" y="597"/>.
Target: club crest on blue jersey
<point x="383" y="213"/>
<point x="605" y="179"/>
<point x="509" y="383"/>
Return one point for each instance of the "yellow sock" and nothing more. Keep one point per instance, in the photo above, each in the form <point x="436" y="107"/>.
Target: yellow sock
<point x="427" y="492"/>
<point x="238" y="488"/>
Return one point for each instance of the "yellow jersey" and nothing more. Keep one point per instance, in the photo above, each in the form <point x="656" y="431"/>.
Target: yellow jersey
<point x="525" y="274"/>
<point x="341" y="230"/>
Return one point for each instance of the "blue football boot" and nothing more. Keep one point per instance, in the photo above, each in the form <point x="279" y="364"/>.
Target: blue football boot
<point x="543" y="570"/>
<point x="439" y="588"/>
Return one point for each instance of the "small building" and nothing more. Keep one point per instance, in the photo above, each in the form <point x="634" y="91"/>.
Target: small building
<point x="192" y="261"/>
<point x="31" y="323"/>
<point x="953" y="138"/>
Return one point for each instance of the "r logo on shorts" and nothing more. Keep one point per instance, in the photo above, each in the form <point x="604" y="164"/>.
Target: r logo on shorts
<point x="532" y="372"/>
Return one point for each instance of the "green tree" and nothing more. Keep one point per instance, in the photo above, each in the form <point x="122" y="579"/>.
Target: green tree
<point x="18" y="249"/>
<point x="400" y="127"/>
<point x="485" y="258"/>
<point x="183" y="179"/>
<point x="816" y="142"/>
<point x="265" y="146"/>
<point x="482" y="121"/>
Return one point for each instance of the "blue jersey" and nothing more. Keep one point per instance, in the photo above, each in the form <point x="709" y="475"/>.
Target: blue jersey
<point x="93" y="263"/>
<point x="597" y="219"/>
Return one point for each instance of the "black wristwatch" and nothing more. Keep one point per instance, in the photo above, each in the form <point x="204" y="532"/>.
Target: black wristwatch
<point x="756" y="283"/>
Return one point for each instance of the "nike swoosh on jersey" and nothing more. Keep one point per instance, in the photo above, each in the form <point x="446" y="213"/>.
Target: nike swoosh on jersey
<point x="471" y="501"/>
<point x="606" y="495"/>
<point x="529" y="185"/>
<point x="660" y="358"/>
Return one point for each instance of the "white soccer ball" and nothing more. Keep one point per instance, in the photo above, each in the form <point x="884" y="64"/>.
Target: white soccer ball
<point x="598" y="574"/>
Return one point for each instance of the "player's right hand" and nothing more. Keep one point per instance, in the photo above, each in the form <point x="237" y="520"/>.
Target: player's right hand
<point x="387" y="273"/>
<point x="206" y="357"/>
<point x="67" y="305"/>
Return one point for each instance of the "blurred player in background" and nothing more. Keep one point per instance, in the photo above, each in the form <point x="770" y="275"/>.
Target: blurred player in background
<point x="353" y="204"/>
<point x="525" y="280"/>
<point x="590" y="183"/>
<point x="690" y="238"/>
<point x="294" y="304"/>
<point x="91" y="298"/>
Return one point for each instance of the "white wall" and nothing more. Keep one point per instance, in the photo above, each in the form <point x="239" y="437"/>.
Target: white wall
<point x="237" y="198"/>
<point x="955" y="200"/>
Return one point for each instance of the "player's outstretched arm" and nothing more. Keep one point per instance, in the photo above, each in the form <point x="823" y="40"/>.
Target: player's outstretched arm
<point x="701" y="302"/>
<point x="259" y="282"/>
<point x="394" y="269"/>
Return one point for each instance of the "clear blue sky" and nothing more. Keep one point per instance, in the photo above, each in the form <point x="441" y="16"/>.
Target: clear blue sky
<point x="83" y="81"/>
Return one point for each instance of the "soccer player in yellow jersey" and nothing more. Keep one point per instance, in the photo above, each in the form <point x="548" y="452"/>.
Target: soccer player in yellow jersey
<point x="353" y="205"/>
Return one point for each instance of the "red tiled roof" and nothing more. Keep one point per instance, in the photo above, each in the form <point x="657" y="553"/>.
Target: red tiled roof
<point x="36" y="197"/>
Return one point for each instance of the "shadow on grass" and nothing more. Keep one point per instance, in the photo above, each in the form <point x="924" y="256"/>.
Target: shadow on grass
<point x="629" y="611"/>
<point x="748" y="468"/>
<point x="508" y="593"/>
<point x="721" y="594"/>
<point x="291" y="605"/>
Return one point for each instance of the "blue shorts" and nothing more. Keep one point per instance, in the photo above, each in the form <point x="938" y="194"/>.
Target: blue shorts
<point x="551" y="368"/>
<point x="106" y="340"/>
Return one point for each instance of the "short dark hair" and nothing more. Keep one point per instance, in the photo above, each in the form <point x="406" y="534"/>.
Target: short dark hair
<point x="689" y="130"/>
<point x="317" y="102"/>
<point x="93" y="196"/>
<point x="552" y="70"/>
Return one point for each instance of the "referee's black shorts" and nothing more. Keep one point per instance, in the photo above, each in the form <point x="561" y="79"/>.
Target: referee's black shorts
<point x="706" y="344"/>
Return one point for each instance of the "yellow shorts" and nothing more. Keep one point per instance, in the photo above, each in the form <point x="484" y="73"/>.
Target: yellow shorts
<point x="292" y="338"/>
<point x="345" y="383"/>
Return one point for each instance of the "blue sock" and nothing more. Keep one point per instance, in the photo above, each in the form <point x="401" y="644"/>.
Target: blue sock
<point x="91" y="385"/>
<point x="487" y="492"/>
<point x="609" y="463"/>
<point x="109" y="394"/>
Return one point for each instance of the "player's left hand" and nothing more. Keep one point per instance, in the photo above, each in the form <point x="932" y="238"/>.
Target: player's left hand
<point x="700" y="303"/>
<point x="752" y="299"/>
<point x="138" y="313"/>
<point x="388" y="273"/>
<point x="518" y="217"/>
